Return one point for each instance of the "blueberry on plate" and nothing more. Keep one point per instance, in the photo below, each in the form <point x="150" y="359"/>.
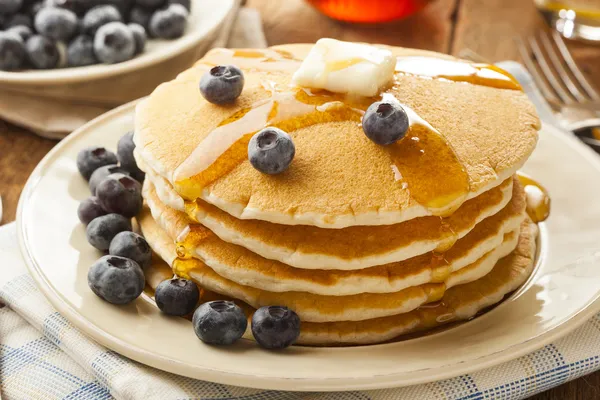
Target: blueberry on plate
<point x="102" y="230"/>
<point x="120" y="194"/>
<point x="18" y="20"/>
<point x="133" y="246"/>
<point x="271" y="151"/>
<point x="42" y="52"/>
<point x="56" y="23"/>
<point x="222" y="84"/>
<point x="141" y="16"/>
<point x="177" y="296"/>
<point x="385" y="123"/>
<point x="168" y="23"/>
<point x="114" y="43"/>
<point x="90" y="209"/>
<point x="219" y="322"/>
<point x="80" y="52"/>
<point x="12" y="51"/>
<point x="275" y="327"/>
<point x="24" y="32"/>
<point x="102" y="173"/>
<point x="10" y="6"/>
<point x="98" y="16"/>
<point x="117" y="280"/>
<point x="125" y="149"/>
<point x="139" y="34"/>
<point x="92" y="158"/>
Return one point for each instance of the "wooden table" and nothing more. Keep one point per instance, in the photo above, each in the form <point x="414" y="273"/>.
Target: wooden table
<point x="484" y="26"/>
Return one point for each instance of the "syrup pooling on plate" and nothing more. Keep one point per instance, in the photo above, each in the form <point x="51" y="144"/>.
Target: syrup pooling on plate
<point x="538" y="200"/>
<point x="458" y="71"/>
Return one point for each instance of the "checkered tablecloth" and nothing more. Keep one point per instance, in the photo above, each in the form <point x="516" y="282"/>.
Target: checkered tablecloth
<point x="42" y="356"/>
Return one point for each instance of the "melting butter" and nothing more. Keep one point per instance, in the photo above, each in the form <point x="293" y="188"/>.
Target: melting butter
<point x="345" y="67"/>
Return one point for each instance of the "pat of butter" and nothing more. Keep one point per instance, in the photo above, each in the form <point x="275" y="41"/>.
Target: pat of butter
<point x="346" y="67"/>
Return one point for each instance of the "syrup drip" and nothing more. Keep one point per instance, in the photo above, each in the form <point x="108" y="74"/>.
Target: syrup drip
<point x="457" y="71"/>
<point x="538" y="200"/>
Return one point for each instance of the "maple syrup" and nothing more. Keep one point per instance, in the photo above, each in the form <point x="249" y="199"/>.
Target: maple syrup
<point x="457" y="71"/>
<point x="368" y="10"/>
<point x="538" y="200"/>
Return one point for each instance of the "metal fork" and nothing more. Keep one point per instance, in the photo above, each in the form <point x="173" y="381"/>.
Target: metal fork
<point x="576" y="102"/>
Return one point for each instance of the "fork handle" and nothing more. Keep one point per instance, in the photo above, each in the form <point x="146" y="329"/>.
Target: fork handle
<point x="531" y="90"/>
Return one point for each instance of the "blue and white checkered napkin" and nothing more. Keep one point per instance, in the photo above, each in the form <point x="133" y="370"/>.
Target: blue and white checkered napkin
<point x="42" y="356"/>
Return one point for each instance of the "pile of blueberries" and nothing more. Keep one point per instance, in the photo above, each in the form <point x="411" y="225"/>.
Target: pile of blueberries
<point x="118" y="277"/>
<point x="46" y="34"/>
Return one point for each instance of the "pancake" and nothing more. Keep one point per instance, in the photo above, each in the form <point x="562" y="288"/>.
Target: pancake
<point x="310" y="307"/>
<point x="349" y="248"/>
<point x="338" y="177"/>
<point x="459" y="303"/>
<point x="246" y="268"/>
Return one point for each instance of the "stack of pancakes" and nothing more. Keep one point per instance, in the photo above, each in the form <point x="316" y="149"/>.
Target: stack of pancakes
<point x="345" y="237"/>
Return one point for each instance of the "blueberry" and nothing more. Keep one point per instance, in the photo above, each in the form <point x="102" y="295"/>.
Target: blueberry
<point x="177" y="296"/>
<point x="81" y="52"/>
<point x="101" y="231"/>
<point x="102" y="173"/>
<point x="186" y="3"/>
<point x="168" y="23"/>
<point x="120" y="194"/>
<point x="98" y="16"/>
<point x="90" y="209"/>
<point x="56" y="23"/>
<point x="10" y="6"/>
<point x="219" y="322"/>
<point x="23" y="31"/>
<point x="271" y="151"/>
<point x="139" y="34"/>
<point x="222" y="84"/>
<point x="12" y="51"/>
<point x="18" y="20"/>
<point x="133" y="246"/>
<point x="42" y="52"/>
<point x="92" y="158"/>
<point x="152" y="4"/>
<point x="117" y="280"/>
<point x="125" y="149"/>
<point x="113" y="43"/>
<point x="275" y="327"/>
<point x="141" y="16"/>
<point x="385" y="123"/>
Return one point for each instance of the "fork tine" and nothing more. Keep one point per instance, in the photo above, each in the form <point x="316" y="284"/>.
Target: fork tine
<point x="558" y="66"/>
<point x="547" y="71"/>
<point x="547" y="92"/>
<point x="566" y="55"/>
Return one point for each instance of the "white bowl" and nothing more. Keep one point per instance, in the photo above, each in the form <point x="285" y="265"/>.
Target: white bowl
<point x="115" y="84"/>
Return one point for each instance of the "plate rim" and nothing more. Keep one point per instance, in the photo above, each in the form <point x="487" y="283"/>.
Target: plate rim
<point x="99" y="71"/>
<point x="252" y="380"/>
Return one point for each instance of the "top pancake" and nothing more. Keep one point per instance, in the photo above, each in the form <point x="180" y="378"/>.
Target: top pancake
<point x="338" y="178"/>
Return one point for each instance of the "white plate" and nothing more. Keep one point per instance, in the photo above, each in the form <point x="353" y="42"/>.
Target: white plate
<point x="206" y="16"/>
<point x="561" y="294"/>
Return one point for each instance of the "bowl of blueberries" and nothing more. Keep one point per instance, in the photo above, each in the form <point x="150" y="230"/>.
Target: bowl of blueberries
<point x="104" y="52"/>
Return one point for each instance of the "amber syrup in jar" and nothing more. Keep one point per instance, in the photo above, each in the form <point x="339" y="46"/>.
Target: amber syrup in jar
<point x="368" y="11"/>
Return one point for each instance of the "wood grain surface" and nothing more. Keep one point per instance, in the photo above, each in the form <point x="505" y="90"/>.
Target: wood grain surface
<point x="484" y="26"/>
